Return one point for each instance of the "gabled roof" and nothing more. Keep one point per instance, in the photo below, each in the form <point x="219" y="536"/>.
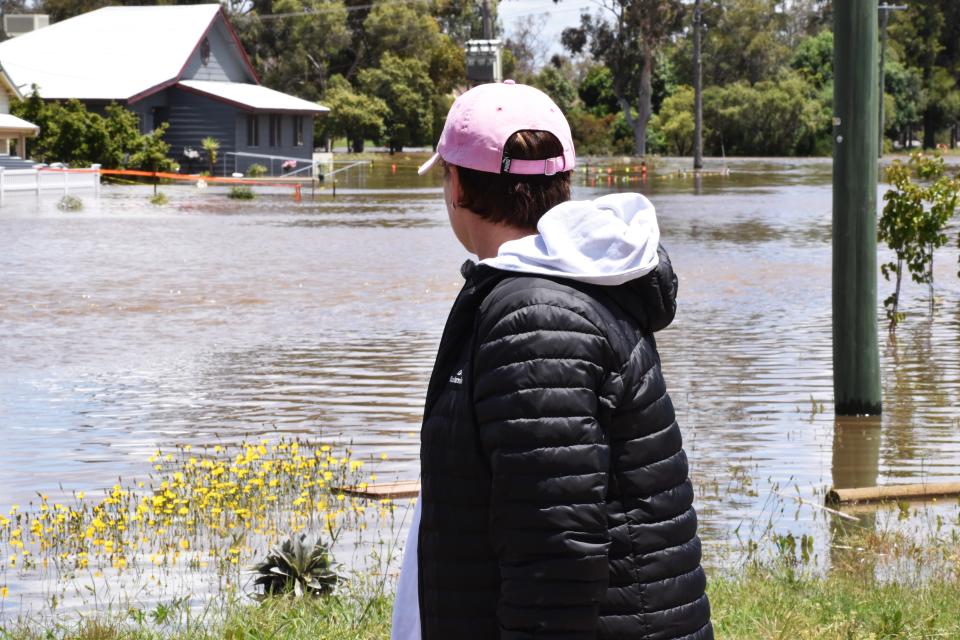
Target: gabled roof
<point x="253" y="97"/>
<point x="114" y="53"/>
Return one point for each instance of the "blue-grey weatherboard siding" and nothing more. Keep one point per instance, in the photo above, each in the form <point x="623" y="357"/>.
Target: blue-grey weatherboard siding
<point x="191" y="117"/>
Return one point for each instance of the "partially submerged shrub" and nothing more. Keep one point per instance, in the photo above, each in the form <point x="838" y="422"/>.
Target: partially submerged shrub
<point x="919" y="204"/>
<point x="241" y="192"/>
<point x="298" y="568"/>
<point x="256" y="170"/>
<point x="159" y="199"/>
<point x="70" y="203"/>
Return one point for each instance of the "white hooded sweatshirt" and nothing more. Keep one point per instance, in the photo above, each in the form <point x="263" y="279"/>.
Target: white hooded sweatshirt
<point x="607" y="241"/>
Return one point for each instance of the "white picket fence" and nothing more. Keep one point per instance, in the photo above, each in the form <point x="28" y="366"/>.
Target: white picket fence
<point x="48" y="179"/>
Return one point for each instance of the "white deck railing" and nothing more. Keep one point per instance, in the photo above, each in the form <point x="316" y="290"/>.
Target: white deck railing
<point x="48" y="179"/>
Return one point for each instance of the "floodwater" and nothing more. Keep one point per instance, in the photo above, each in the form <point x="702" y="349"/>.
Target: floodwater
<point x="125" y="328"/>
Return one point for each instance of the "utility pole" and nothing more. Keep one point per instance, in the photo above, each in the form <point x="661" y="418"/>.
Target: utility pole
<point x="487" y="22"/>
<point x="885" y="10"/>
<point x="697" y="90"/>
<point x="856" y="357"/>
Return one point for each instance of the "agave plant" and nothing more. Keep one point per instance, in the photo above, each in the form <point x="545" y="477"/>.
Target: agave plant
<point x="296" y="567"/>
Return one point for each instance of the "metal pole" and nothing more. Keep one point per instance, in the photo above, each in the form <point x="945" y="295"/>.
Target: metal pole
<point x="885" y="10"/>
<point x="856" y="358"/>
<point x="697" y="91"/>
<point x="885" y="17"/>
<point x="487" y="23"/>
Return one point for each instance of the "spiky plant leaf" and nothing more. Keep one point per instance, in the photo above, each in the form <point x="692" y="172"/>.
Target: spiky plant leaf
<point x="296" y="567"/>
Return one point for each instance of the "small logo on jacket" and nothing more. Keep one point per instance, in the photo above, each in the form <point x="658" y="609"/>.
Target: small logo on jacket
<point x="457" y="379"/>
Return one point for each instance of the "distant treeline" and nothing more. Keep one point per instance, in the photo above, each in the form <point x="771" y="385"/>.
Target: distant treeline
<point x="389" y="69"/>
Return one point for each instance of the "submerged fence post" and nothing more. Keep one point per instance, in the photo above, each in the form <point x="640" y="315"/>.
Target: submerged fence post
<point x="96" y="179"/>
<point x="856" y="358"/>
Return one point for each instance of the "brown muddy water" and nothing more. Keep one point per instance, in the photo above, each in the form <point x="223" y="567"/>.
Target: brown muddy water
<point x="126" y="327"/>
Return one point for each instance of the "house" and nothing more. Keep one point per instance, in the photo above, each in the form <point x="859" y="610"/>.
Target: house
<point x="13" y="130"/>
<point x="179" y="64"/>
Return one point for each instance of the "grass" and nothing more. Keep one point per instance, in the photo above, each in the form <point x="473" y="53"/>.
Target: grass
<point x="763" y="602"/>
<point x="775" y="603"/>
<point x="333" y="618"/>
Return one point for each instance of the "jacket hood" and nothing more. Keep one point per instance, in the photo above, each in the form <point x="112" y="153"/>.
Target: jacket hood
<point x="607" y="241"/>
<point x="613" y="241"/>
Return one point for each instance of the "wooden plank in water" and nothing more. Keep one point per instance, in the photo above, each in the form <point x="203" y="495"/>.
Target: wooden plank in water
<point x="893" y="492"/>
<point x="385" y="490"/>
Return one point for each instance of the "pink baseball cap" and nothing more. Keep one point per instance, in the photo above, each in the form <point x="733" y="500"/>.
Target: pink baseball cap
<point x="482" y="120"/>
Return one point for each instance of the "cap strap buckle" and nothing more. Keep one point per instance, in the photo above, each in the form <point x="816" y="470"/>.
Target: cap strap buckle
<point x="546" y="167"/>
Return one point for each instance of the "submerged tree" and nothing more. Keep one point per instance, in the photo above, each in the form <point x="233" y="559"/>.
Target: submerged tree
<point x="914" y="218"/>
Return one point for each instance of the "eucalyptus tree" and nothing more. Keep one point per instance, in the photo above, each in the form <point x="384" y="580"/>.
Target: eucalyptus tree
<point x="626" y="36"/>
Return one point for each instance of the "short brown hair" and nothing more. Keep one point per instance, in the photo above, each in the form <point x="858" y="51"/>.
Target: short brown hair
<point x="517" y="200"/>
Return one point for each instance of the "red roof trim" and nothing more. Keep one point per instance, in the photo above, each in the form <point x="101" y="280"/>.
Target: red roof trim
<point x="152" y="90"/>
<point x="236" y="39"/>
<point x="221" y="12"/>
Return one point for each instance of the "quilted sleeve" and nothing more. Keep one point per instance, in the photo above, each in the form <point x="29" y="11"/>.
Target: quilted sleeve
<point x="538" y="370"/>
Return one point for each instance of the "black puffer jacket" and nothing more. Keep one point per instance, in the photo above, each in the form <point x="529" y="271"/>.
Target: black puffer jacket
<point x="555" y="496"/>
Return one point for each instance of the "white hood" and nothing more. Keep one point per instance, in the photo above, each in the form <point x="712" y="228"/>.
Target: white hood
<point x="607" y="241"/>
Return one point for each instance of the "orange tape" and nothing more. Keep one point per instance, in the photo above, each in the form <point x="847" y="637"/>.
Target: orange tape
<point x="178" y="176"/>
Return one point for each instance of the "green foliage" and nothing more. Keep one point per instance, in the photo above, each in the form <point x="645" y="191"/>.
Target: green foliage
<point x="294" y="55"/>
<point x="211" y="146"/>
<point x="675" y="121"/>
<point x="297" y="568"/>
<point x="591" y="133"/>
<point x="71" y="134"/>
<point x="240" y="192"/>
<point x="627" y="39"/>
<point x="925" y="37"/>
<point x="813" y="59"/>
<point x="70" y="203"/>
<point x="596" y="91"/>
<point x="404" y="85"/>
<point x="353" y="115"/>
<point x="159" y="199"/>
<point x="152" y="154"/>
<point x="921" y="201"/>
<point x="256" y="170"/>
<point x="552" y="81"/>
<point x="774" y="118"/>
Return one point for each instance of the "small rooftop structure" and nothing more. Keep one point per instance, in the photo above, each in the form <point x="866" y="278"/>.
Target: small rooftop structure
<point x="17" y="24"/>
<point x="484" y="62"/>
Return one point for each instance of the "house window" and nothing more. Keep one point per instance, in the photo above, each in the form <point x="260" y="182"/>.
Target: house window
<point x="298" y="131"/>
<point x="253" y="130"/>
<point x="276" y="139"/>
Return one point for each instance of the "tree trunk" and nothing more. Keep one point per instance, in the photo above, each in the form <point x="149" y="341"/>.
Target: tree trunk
<point x="697" y="91"/>
<point x="929" y="131"/>
<point x="645" y="106"/>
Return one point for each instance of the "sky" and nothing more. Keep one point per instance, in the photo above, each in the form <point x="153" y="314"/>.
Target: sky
<point x="561" y="15"/>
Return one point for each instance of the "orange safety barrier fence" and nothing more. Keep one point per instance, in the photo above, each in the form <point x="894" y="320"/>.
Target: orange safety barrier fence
<point x="182" y="177"/>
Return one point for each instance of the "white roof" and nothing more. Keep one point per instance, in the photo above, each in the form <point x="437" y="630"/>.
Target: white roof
<point x="252" y="96"/>
<point x="114" y="53"/>
<point x="17" y="125"/>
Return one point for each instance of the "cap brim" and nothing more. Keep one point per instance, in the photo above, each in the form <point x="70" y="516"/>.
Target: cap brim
<point x="426" y="166"/>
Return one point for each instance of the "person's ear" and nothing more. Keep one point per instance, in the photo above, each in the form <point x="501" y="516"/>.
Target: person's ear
<point x="456" y="189"/>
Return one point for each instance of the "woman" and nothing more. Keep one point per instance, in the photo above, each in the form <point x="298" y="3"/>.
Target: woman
<point x="555" y="496"/>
